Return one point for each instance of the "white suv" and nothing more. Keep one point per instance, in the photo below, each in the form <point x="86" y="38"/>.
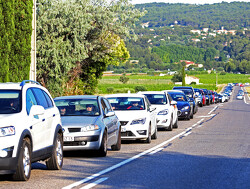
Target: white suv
<point x="30" y="129"/>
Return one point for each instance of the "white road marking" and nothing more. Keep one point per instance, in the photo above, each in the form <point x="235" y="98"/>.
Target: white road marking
<point x="157" y="150"/>
<point x="91" y="185"/>
<point x="211" y="115"/>
<point x="154" y="149"/>
<point x="213" y="109"/>
<point x="187" y="134"/>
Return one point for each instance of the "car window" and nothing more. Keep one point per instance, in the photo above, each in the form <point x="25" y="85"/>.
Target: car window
<point x="127" y="103"/>
<point x="49" y="101"/>
<point x="178" y="97"/>
<point x="157" y="98"/>
<point x="10" y="101"/>
<point x="78" y="107"/>
<point x="30" y="100"/>
<point x="108" y="105"/>
<point x="41" y="100"/>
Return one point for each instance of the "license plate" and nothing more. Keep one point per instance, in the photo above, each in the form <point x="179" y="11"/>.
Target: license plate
<point x="123" y="129"/>
<point x="68" y="138"/>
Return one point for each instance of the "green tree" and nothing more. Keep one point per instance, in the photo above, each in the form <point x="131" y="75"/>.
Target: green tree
<point x="123" y="78"/>
<point x="183" y="76"/>
<point x="88" y="32"/>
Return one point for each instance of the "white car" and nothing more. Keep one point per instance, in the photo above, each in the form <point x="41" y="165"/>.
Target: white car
<point x="166" y="109"/>
<point x="30" y="129"/>
<point x="136" y="115"/>
<point x="239" y="97"/>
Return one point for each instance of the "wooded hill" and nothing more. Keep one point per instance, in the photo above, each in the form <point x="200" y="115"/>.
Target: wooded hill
<point x="166" y="37"/>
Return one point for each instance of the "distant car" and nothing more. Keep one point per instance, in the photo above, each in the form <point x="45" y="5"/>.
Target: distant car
<point x="30" y="129"/>
<point x="189" y="92"/>
<point x="136" y="115"/>
<point x="239" y="97"/>
<point x="208" y="97"/>
<point x="185" y="107"/>
<point x="241" y="85"/>
<point x="89" y="123"/>
<point x="222" y="98"/>
<point x="201" y="99"/>
<point x="166" y="109"/>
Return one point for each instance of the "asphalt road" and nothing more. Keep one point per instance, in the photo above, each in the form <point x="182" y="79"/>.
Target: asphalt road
<point x="210" y="151"/>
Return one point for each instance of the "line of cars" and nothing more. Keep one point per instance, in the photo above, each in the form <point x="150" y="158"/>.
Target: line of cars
<point x="36" y="127"/>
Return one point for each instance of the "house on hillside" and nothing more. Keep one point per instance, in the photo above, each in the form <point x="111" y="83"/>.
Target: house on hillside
<point x="191" y="79"/>
<point x="188" y="63"/>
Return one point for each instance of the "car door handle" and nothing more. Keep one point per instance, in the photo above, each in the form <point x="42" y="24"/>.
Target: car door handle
<point x="54" y="115"/>
<point x="43" y="120"/>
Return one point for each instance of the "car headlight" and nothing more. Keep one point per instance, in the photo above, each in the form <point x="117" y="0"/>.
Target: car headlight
<point x="89" y="128"/>
<point x="163" y="112"/>
<point x="7" y="131"/>
<point x="185" y="108"/>
<point x="138" y="121"/>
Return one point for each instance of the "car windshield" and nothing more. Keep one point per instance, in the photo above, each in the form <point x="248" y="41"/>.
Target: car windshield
<point x="10" y="101"/>
<point x="188" y="92"/>
<point x="127" y="103"/>
<point x="156" y="98"/>
<point x="178" y="97"/>
<point x="78" y="107"/>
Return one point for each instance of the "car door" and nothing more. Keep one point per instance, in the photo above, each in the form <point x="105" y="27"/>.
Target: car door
<point x="114" y="121"/>
<point x="152" y="115"/>
<point x="49" y="114"/>
<point x="107" y="120"/>
<point x="36" y="122"/>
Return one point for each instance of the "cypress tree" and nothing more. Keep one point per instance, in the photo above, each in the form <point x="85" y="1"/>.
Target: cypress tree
<point x="183" y="76"/>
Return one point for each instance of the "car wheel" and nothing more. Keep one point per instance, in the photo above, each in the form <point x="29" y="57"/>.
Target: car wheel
<point x="192" y="115"/>
<point x="170" y="127"/>
<point x="24" y="162"/>
<point x="117" y="146"/>
<point x="55" y="162"/>
<point x="176" y="124"/>
<point x="148" y="140"/>
<point x="104" y="145"/>
<point x="154" y="136"/>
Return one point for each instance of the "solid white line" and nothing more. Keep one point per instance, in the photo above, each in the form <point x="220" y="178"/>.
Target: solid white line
<point x="212" y="109"/>
<point x="121" y="163"/>
<point x="208" y="115"/>
<point x="187" y="134"/>
<point x="91" y="185"/>
<point x="157" y="150"/>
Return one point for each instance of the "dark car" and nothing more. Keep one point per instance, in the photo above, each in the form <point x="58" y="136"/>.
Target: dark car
<point x="185" y="107"/>
<point x="189" y="92"/>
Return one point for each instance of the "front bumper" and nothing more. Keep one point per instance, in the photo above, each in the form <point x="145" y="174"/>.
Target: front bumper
<point x="184" y="113"/>
<point x="163" y="121"/>
<point x="133" y="132"/>
<point x="8" y="165"/>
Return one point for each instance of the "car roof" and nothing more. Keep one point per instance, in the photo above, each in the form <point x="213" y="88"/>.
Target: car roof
<point x="174" y="91"/>
<point x="182" y="87"/>
<point x="10" y="85"/>
<point x="77" y="97"/>
<point x="125" y="95"/>
<point x="151" y="92"/>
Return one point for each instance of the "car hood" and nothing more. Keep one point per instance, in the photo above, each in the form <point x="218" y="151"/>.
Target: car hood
<point x="9" y="119"/>
<point x="78" y="120"/>
<point x="160" y="107"/>
<point x="130" y="115"/>
<point x="181" y="104"/>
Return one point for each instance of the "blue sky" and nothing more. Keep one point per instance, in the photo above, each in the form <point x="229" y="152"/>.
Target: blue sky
<point x="185" y="1"/>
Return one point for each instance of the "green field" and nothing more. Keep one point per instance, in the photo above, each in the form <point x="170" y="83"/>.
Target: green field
<point x="158" y="83"/>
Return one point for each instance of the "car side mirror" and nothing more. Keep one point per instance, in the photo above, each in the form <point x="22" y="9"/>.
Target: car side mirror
<point x="37" y="110"/>
<point x="151" y="109"/>
<point x="109" y="114"/>
<point x="173" y="102"/>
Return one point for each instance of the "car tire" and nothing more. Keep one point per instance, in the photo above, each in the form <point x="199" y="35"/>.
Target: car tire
<point x="24" y="162"/>
<point x="148" y="140"/>
<point x="154" y="136"/>
<point x="102" y="152"/>
<point x="55" y="162"/>
<point x="170" y="127"/>
<point x="192" y="115"/>
<point x="117" y="146"/>
<point x="176" y="124"/>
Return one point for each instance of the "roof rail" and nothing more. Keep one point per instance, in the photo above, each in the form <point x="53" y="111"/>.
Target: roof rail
<point x="30" y="81"/>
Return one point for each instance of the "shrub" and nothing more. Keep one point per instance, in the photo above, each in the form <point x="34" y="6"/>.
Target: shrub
<point x="223" y="73"/>
<point x="140" y="88"/>
<point x="123" y="78"/>
<point x="110" y="89"/>
<point x="124" y="90"/>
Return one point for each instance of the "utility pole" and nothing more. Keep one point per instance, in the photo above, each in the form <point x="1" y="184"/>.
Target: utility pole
<point x="33" y="45"/>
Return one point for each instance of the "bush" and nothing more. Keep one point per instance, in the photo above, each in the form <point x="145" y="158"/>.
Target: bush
<point x="124" y="90"/>
<point x="223" y="73"/>
<point x="193" y="83"/>
<point x="110" y="90"/>
<point x="140" y="88"/>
